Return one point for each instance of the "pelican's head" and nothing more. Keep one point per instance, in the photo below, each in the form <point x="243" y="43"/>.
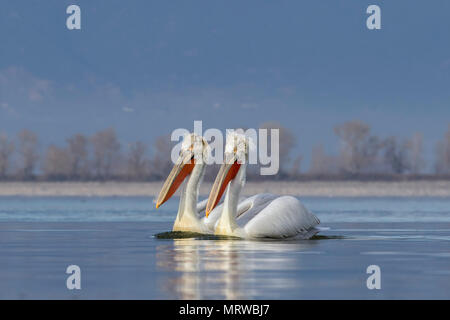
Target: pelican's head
<point x="194" y="152"/>
<point x="236" y="154"/>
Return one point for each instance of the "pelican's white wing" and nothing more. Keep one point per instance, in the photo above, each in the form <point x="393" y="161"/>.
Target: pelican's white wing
<point x="214" y="215"/>
<point x="271" y="216"/>
<point x="253" y="206"/>
<point x="201" y="207"/>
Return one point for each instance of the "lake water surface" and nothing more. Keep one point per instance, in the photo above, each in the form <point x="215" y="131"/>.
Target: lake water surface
<point x="112" y="241"/>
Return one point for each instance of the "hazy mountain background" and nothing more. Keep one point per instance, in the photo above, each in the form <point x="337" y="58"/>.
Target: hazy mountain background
<point x="148" y="67"/>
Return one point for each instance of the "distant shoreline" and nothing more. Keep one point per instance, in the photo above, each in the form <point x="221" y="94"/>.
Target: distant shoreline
<point x="307" y="188"/>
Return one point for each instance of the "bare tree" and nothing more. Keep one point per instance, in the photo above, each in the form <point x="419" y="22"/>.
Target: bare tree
<point x="6" y="151"/>
<point x="28" y="151"/>
<point x="287" y="142"/>
<point x="359" y="150"/>
<point x="296" y="166"/>
<point x="78" y="156"/>
<point x="442" y="165"/>
<point x="414" y="145"/>
<point x="321" y="163"/>
<point x="137" y="163"/>
<point x="161" y="163"/>
<point x="106" y="152"/>
<point x="395" y="155"/>
<point x="57" y="163"/>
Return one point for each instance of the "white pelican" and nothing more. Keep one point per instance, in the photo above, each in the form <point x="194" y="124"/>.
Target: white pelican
<point x="262" y="215"/>
<point x="191" y="163"/>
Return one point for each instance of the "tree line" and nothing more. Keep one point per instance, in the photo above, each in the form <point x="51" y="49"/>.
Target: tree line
<point x="101" y="157"/>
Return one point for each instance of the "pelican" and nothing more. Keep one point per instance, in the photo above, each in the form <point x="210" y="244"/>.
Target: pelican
<point x="191" y="163"/>
<point x="259" y="216"/>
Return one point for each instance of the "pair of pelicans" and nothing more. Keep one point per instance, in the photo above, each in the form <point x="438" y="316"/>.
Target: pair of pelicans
<point x="255" y="217"/>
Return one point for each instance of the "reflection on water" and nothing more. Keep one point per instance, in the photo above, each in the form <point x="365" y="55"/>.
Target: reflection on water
<point x="229" y="269"/>
<point x="112" y="240"/>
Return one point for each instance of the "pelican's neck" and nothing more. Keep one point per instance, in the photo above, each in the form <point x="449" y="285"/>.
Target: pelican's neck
<point x="187" y="217"/>
<point x="227" y="224"/>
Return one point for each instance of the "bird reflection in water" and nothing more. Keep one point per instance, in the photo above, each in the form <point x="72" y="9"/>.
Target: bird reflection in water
<point x="230" y="269"/>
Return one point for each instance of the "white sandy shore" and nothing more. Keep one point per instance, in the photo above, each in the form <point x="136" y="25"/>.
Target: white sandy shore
<point x="314" y="188"/>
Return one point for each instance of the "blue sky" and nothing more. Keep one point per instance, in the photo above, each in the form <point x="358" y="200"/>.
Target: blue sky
<point x="148" y="67"/>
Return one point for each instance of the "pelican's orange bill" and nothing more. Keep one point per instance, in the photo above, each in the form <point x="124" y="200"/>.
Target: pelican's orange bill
<point x="226" y="173"/>
<point x="174" y="180"/>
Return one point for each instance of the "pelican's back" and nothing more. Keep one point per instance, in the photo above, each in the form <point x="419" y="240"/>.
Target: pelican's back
<point x="281" y="217"/>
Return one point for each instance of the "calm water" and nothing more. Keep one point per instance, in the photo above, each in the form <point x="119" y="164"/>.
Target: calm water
<point x="112" y="240"/>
